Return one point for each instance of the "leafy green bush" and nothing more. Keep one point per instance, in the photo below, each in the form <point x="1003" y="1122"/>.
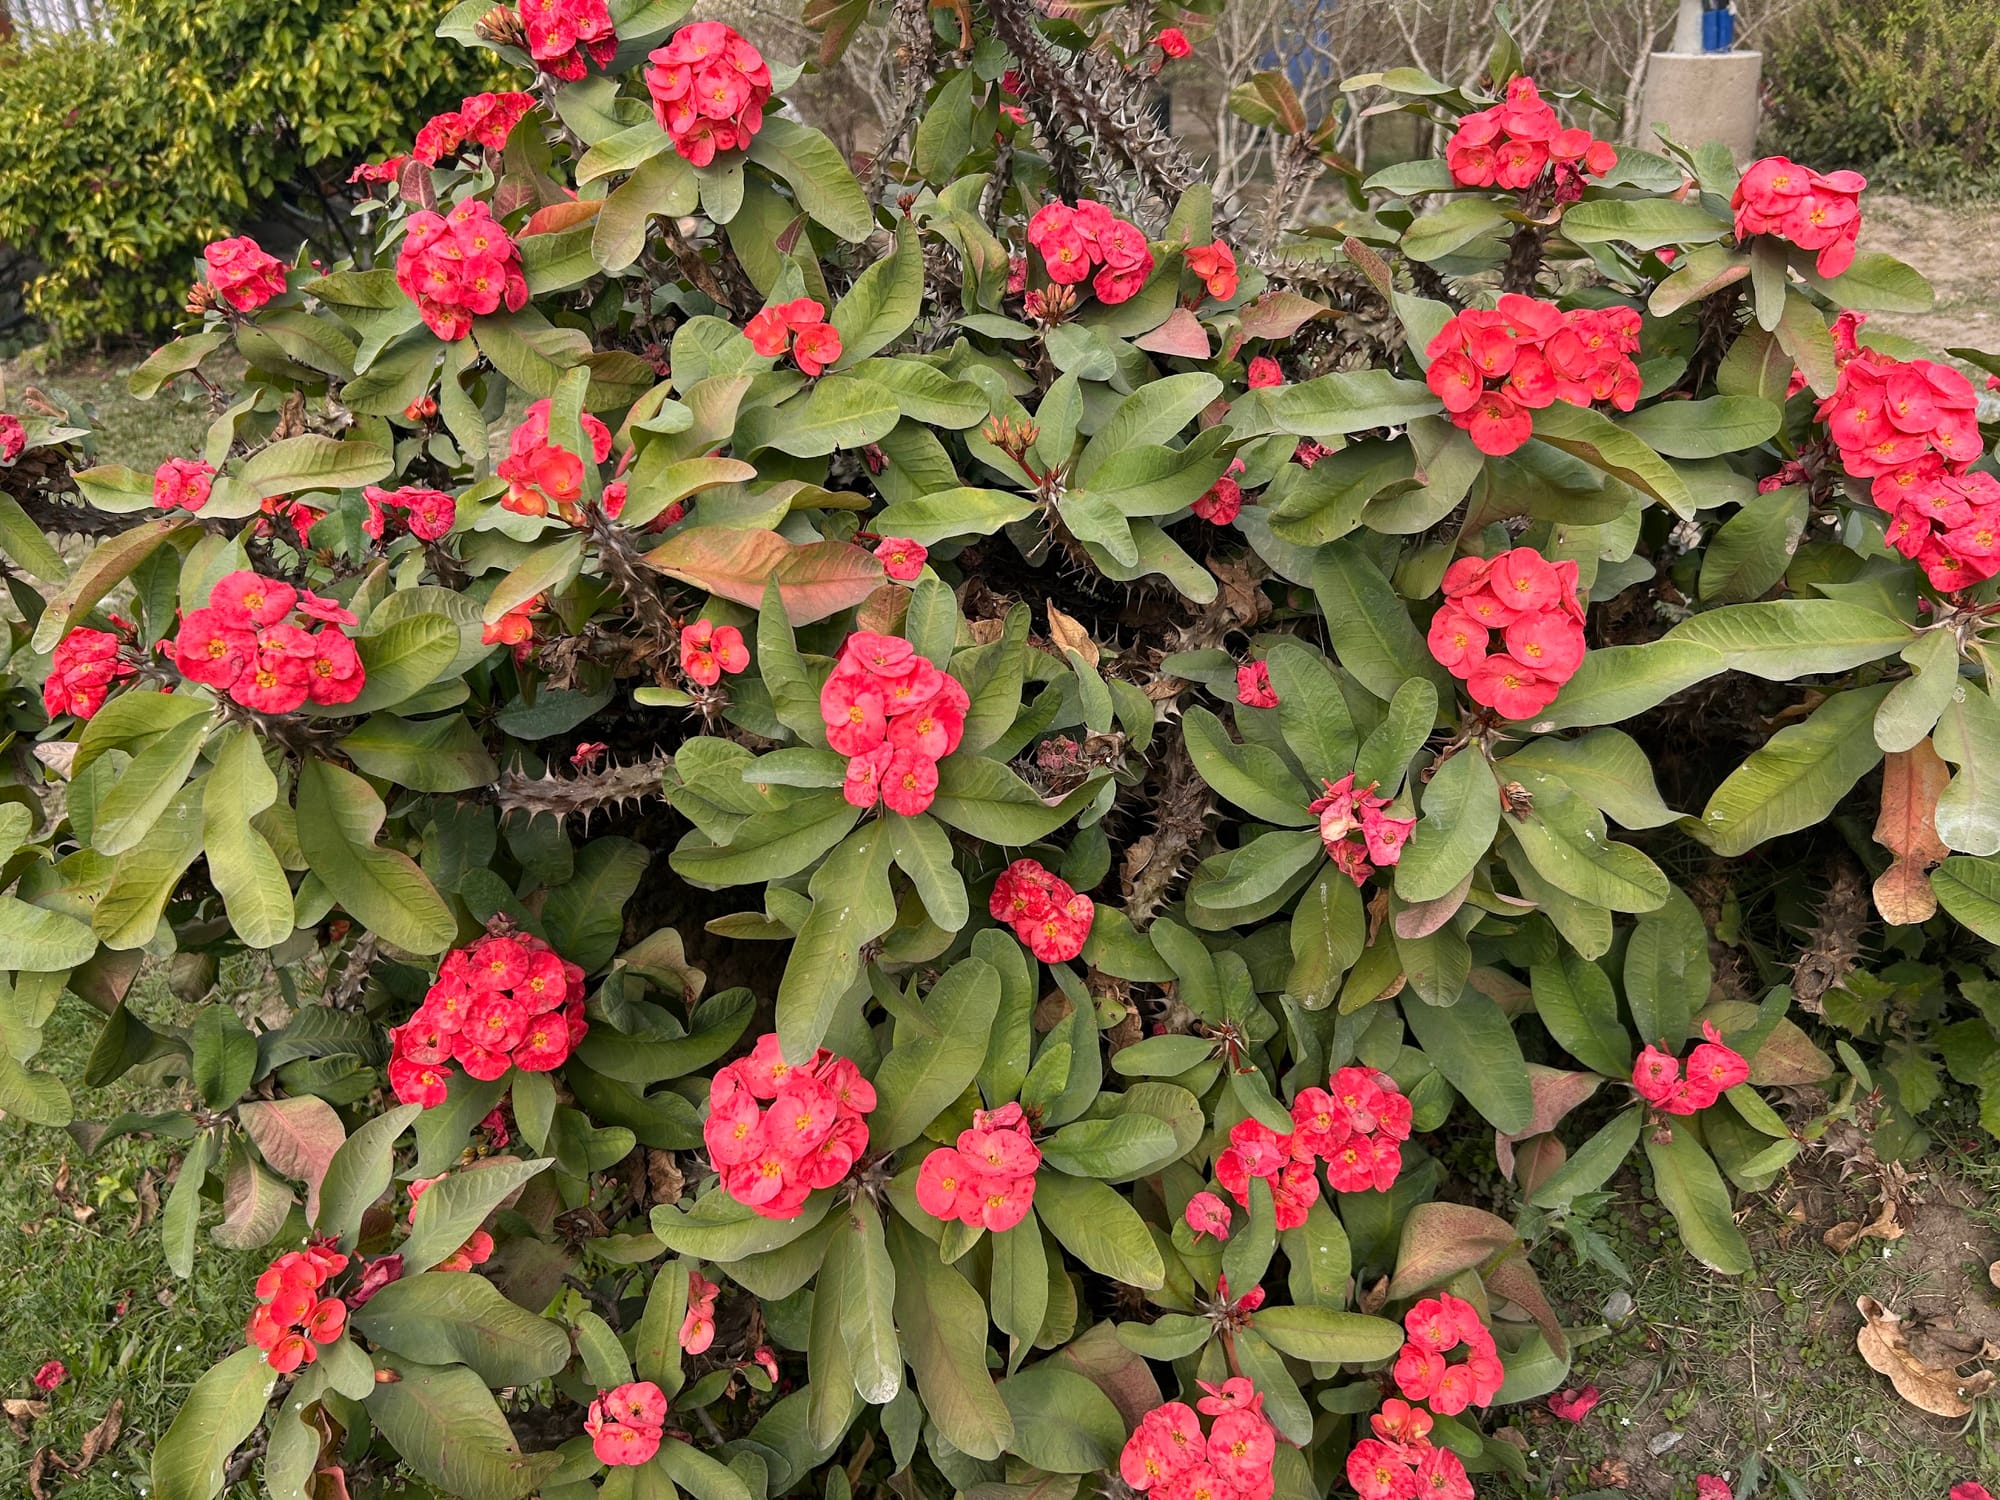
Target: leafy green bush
<point x="1907" y="91"/>
<point x="123" y="158"/>
<point x="919" y="873"/>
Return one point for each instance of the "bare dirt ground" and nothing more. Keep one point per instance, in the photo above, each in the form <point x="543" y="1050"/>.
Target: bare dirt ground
<point x="1958" y="251"/>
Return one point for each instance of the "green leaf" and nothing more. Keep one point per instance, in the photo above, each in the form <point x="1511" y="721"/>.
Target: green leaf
<point x="1705" y="429"/>
<point x="945" y="514"/>
<point x="1969" y="891"/>
<point x="1573" y="996"/>
<point x="33" y="1097"/>
<point x="1324" y="1336"/>
<point x="400" y="661"/>
<point x="1152" y="414"/>
<point x="459" y="1203"/>
<point x="1248" y="876"/>
<point x="1452" y="226"/>
<point x="1336" y="405"/>
<point x="426" y="755"/>
<point x="22" y="540"/>
<point x="1594" y="1162"/>
<point x="1111" y="1150"/>
<point x="180" y="1220"/>
<point x="1784" y="639"/>
<point x="1100" y="1228"/>
<point x="604" y="1358"/>
<point x="107" y="565"/>
<point x="1643" y="223"/>
<point x="339" y="816"/>
<point x="1256" y="779"/>
<point x="246" y="872"/>
<point x="528" y="351"/>
<point x="811" y="164"/>
<point x="448" y="1318"/>
<point x="1605" y="767"/>
<point x="1369" y="625"/>
<point x="1751" y="550"/>
<point x="702" y="1476"/>
<point x="1312" y="712"/>
<point x="923" y="852"/>
<point x="852" y="906"/>
<point x="1461" y="814"/>
<point x="40" y="941"/>
<point x="225" y="1056"/>
<point x="1328" y="932"/>
<point x="663" y="185"/>
<point x="1568" y="844"/>
<point x="1915" y="704"/>
<point x="1620" y="682"/>
<point x="719" y="1228"/>
<point x="1604" y="444"/>
<point x="867" y="1310"/>
<point x="1473" y="1044"/>
<point x="1667" y="971"/>
<point x="443" y="1422"/>
<point x="1875" y="282"/>
<point x="142" y="792"/>
<point x="1688" y="1184"/>
<point x="935" y="1052"/>
<point x="1799" y="775"/>
<point x="585" y="915"/>
<point x="360" y="1171"/>
<point x="1968" y="735"/>
<point x="223" y="1409"/>
<point x="1063" y="1422"/>
<point x="883" y="302"/>
<point x="943" y="1323"/>
<point x="311" y="461"/>
<point x="983" y="798"/>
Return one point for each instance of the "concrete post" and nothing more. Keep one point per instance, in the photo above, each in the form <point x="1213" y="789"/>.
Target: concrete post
<point x="1700" y="98"/>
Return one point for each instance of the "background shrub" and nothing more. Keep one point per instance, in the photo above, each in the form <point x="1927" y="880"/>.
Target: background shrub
<point x="1905" y="90"/>
<point x="125" y="157"/>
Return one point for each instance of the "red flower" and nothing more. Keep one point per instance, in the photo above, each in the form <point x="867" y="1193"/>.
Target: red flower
<point x="818" y="346"/>
<point x="460" y="266"/>
<point x="1215" y="264"/>
<point x="13" y="437"/>
<point x="709" y="650"/>
<point x="337" y="675"/>
<point x="82" y="669"/>
<point x="709" y="87"/>
<point x="902" y="558"/>
<point x="1264" y="372"/>
<point x="242" y="274"/>
<point x="1208" y="1214"/>
<point x="426" y="513"/>
<point x="1970" y="1490"/>
<point x="1173" y="42"/>
<point x="1779" y="197"/>
<point x="182" y="484"/>
<point x="769" y="334"/>
<point x="1574" y="1406"/>
<point x="50" y="1375"/>
<point x="1710" y="1487"/>
<point x="1253" y="685"/>
<point x="541" y="473"/>
<point x="562" y="32"/>
<point x="1222" y="502"/>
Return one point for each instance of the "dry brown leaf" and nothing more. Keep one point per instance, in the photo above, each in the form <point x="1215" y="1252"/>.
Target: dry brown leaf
<point x="1938" y="1391"/>
<point x="102" y="1438"/>
<point x="1844" y="1237"/>
<point x="664" y="1178"/>
<point x="20" y="1413"/>
<point x="1069" y="635"/>
<point x="1373" y="1298"/>
<point x="1993" y="1273"/>
<point x="1907" y="828"/>
<point x="37" y="1467"/>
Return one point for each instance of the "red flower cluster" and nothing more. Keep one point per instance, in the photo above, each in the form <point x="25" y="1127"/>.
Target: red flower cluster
<point x="540" y="473"/>
<point x="625" y="1424"/>
<point x="81" y="670"/>
<point x="1809" y="209"/>
<point x="242" y="274"/>
<point x="487" y="119"/>
<point x="1401" y="1463"/>
<point x="698" y="1326"/>
<point x="818" y="342"/>
<point x="1357" y="833"/>
<point x="1264" y="372"/>
<point x="1435" y="1327"/>
<point x="241" y="641"/>
<point x="1168" y="1457"/>
<point x="1357" y="1125"/>
<point x="505" y="1001"/>
<point x="988" y="1179"/>
<point x="1911" y="427"/>
<point x="812" y="1134"/>
<point x="1173" y="42"/>
<point x="1512" y="144"/>
<point x="1046" y="913"/>
<point x="1533" y="604"/>
<point x="476" y="1251"/>
<point x="515" y="629"/>
<point x="425" y="514"/>
<point x="1075" y="241"/>
<point x="378" y="171"/>
<point x="13" y="437"/>
<point x="1222" y="502"/>
<point x="894" y="716"/>
<point x="1713" y="1068"/>
<point x="709" y="88"/>
<point x="292" y="1317"/>
<point x="709" y="650"/>
<point x="183" y="484"/>
<point x="560" y="32"/>
<point x="459" y="266"/>
<point x="1493" y="370"/>
<point x="1215" y="264"/>
<point x="50" y="1375"/>
<point x="1208" y="1214"/>
<point x="1253" y="686"/>
<point x="902" y="558"/>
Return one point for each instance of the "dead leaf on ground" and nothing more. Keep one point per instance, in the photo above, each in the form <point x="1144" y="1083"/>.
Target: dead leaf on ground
<point x="1844" y="1237"/>
<point x="20" y="1413"/>
<point x="1993" y="1273"/>
<point x="1939" y="1391"/>
<point x="1068" y="634"/>
<point x="37" y="1467"/>
<point x="102" y="1438"/>
<point x="1907" y="828"/>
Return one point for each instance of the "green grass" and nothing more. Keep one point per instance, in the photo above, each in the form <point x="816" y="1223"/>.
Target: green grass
<point x="68" y="1262"/>
<point x="128" y="431"/>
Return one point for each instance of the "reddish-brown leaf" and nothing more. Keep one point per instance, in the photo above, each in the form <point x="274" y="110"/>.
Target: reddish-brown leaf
<point x="560" y="216"/>
<point x="1279" y="315"/>
<point x="1181" y="335"/>
<point x="1556" y="1092"/>
<point x="297" y="1137"/>
<point x="814" y="580"/>
<point x="1442" y="1239"/>
<point x="1907" y="828"/>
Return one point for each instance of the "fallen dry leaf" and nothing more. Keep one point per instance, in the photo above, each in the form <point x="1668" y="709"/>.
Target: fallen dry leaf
<point x="1844" y="1237"/>
<point x="1938" y="1391"/>
<point x="37" y="1467"/>
<point x="1907" y="828"/>
<point x="20" y="1413"/>
<point x="102" y="1438"/>
<point x="1069" y="635"/>
<point x="1993" y="1273"/>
